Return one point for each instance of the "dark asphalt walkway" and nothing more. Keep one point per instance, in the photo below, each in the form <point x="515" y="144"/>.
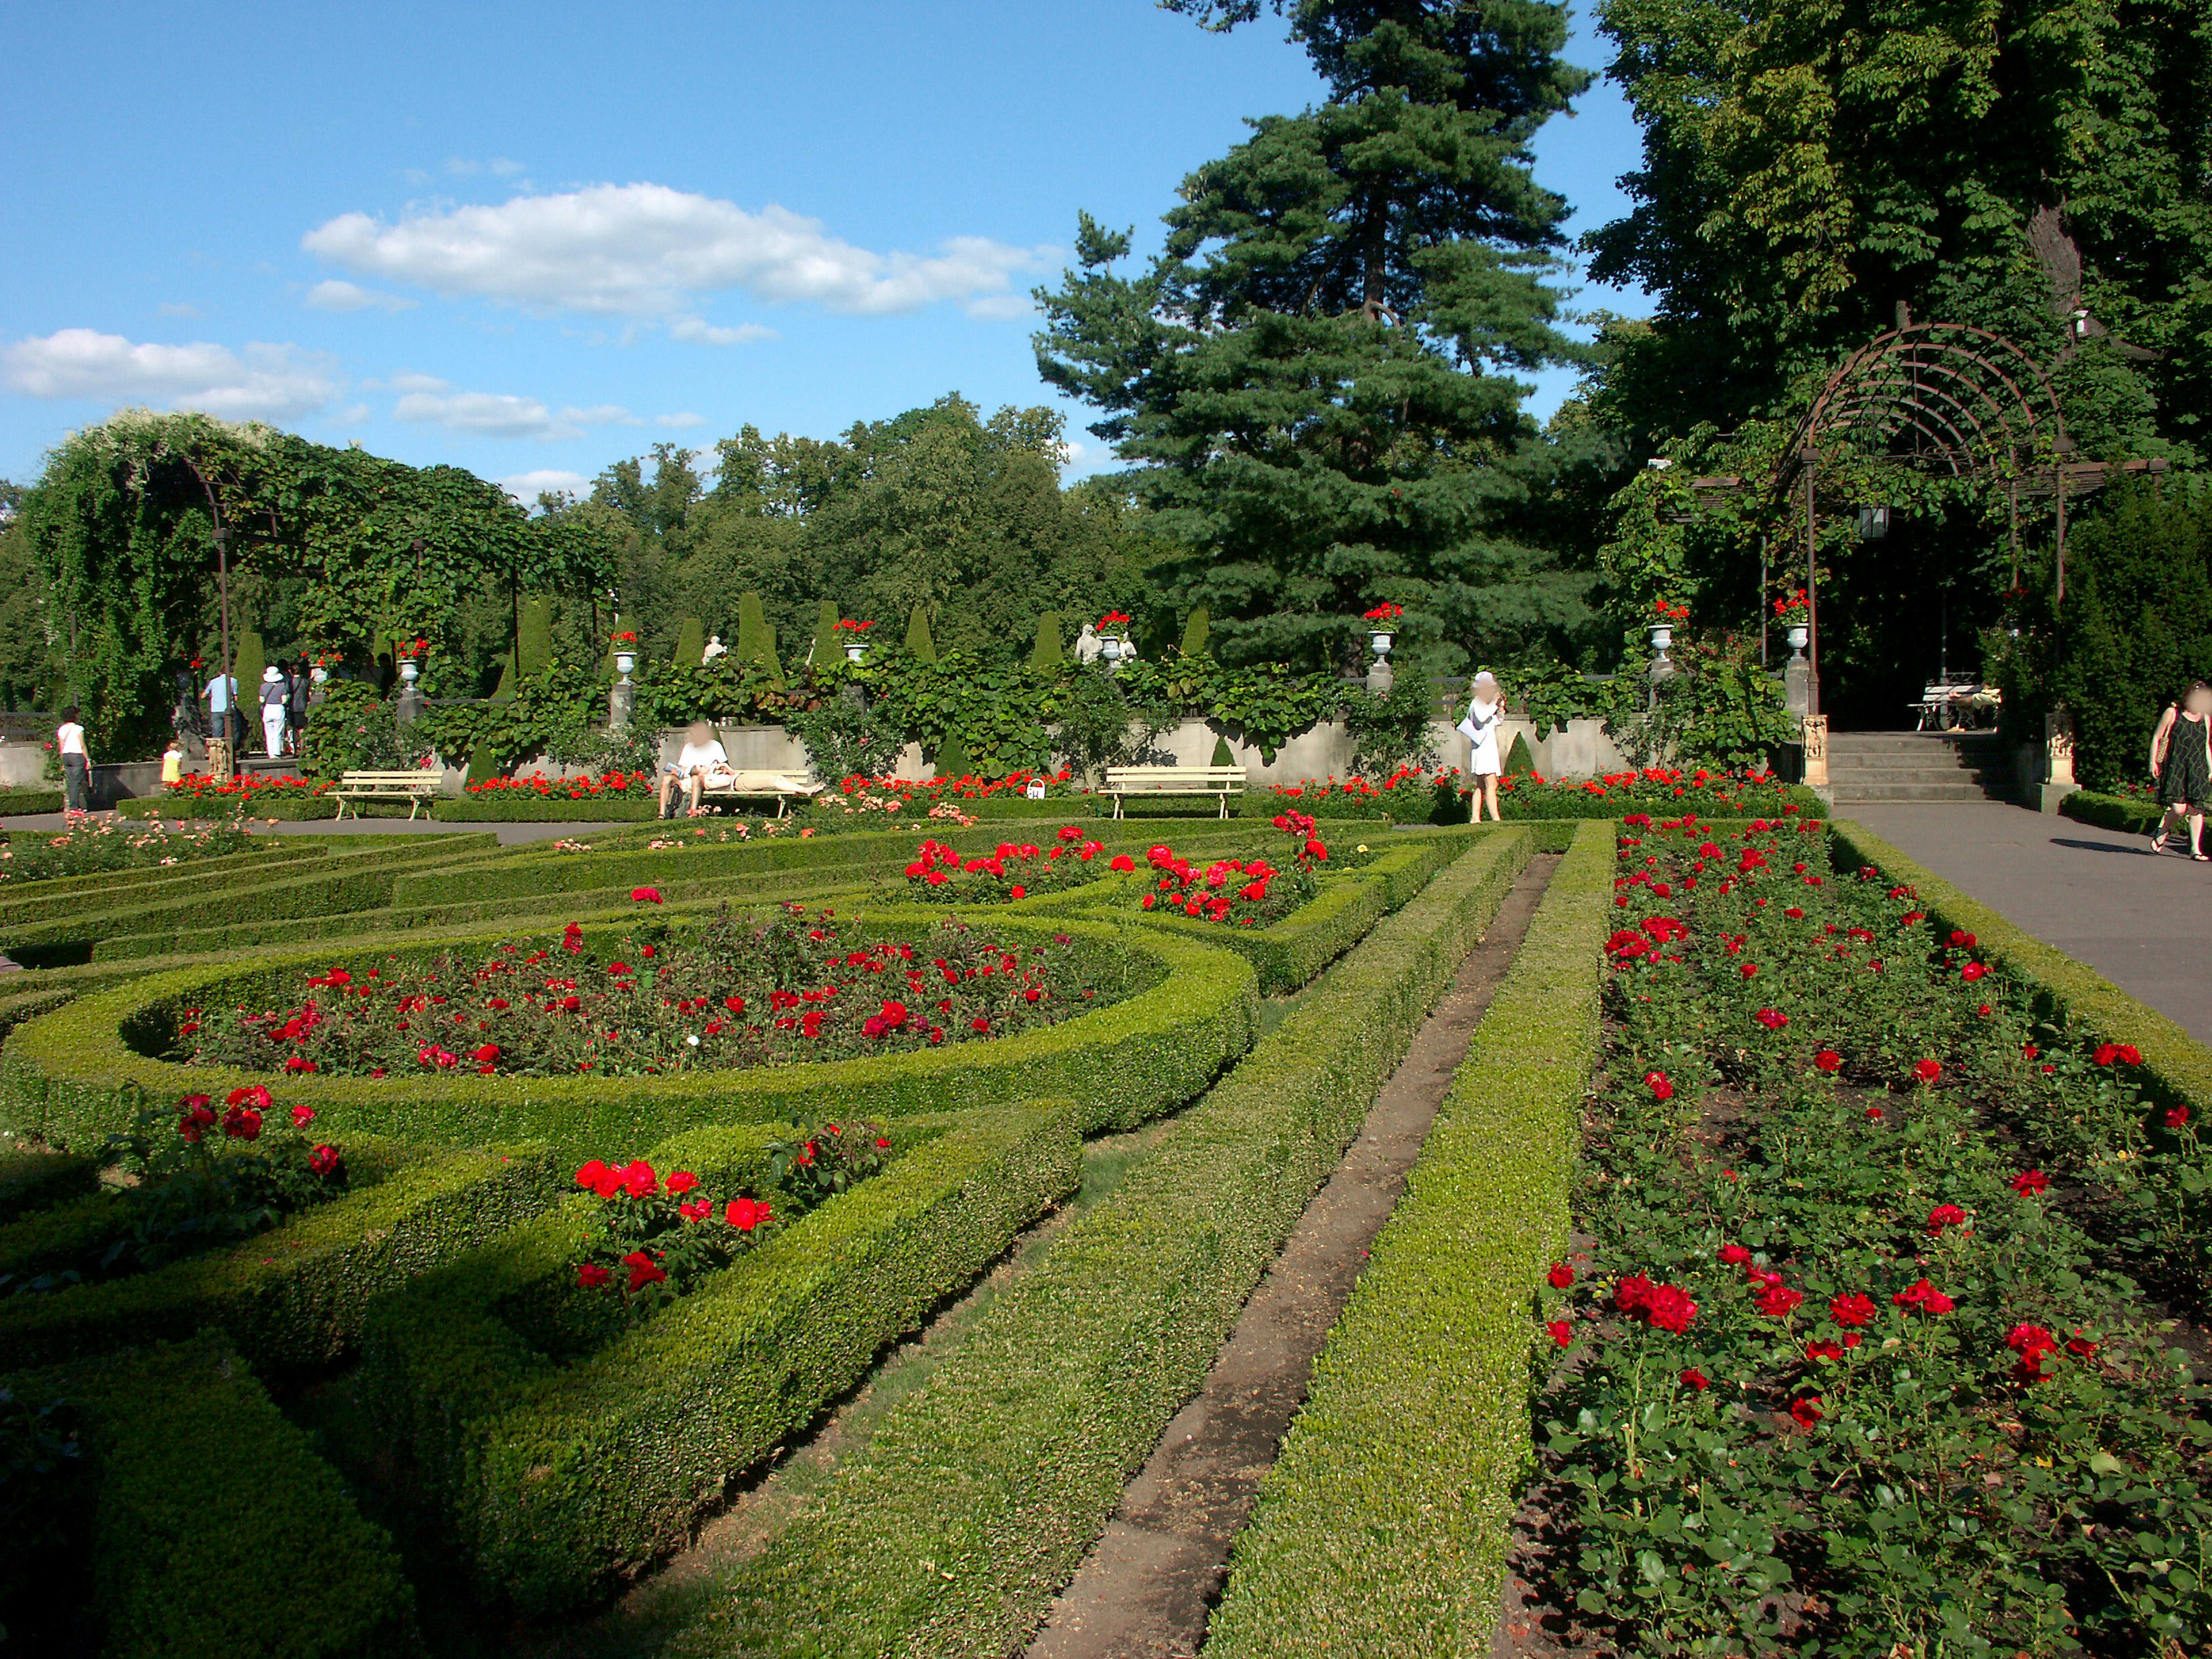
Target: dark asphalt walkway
<point x="2142" y="919"/>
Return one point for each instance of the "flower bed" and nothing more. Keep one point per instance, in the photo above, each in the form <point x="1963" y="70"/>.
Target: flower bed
<point x="729" y="994"/>
<point x="1852" y="1356"/>
<point x="1008" y="871"/>
<point x="967" y="799"/>
<point x="248" y="794"/>
<point x="98" y="849"/>
<point x="1411" y="796"/>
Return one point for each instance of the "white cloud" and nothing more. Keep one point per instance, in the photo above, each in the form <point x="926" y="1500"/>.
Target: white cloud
<point x="677" y="422"/>
<point x="336" y="295"/>
<point x="697" y="328"/>
<point x="267" y="382"/>
<point x="646" y="249"/>
<point x="499" y="415"/>
<point x="179" y="308"/>
<point x="1000" y="307"/>
<point x="499" y="167"/>
<point x="527" y="487"/>
<point x="406" y="382"/>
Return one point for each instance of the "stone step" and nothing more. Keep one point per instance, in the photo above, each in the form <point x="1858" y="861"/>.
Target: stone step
<point x="1936" y="765"/>
<point x="1847" y="792"/>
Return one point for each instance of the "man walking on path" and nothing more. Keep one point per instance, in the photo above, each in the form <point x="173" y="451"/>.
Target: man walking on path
<point x="221" y="695"/>
<point x="76" y="761"/>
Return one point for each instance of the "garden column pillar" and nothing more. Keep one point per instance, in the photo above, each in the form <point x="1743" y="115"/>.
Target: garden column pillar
<point x="1816" y="751"/>
<point x="621" y="699"/>
<point x="2058" y="756"/>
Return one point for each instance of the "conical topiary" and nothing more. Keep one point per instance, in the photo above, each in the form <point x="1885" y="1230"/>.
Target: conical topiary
<point x="1046" y="653"/>
<point x="919" y="645"/>
<point x="691" y="642"/>
<point x="1221" y="754"/>
<point x="827" y="647"/>
<point x="1519" y="763"/>
<point x="756" y="639"/>
<point x="481" y="767"/>
<point x="953" y="760"/>
<point x="1194" y="631"/>
<point x="533" y="644"/>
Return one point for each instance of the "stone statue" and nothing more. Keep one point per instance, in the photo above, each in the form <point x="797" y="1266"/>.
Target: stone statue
<point x="1086" y="644"/>
<point x="715" y="648"/>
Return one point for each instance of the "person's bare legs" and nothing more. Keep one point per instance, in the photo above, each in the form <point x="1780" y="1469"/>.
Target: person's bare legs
<point x="2196" y="837"/>
<point x="1486" y="795"/>
<point x="667" y="788"/>
<point x="2166" y="822"/>
<point x="698" y="782"/>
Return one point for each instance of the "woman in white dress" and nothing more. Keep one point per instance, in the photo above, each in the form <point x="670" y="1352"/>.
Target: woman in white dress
<point x="1485" y="713"/>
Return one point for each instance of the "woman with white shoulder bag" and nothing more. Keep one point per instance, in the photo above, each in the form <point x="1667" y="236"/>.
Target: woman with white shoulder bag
<point x="1485" y="713"/>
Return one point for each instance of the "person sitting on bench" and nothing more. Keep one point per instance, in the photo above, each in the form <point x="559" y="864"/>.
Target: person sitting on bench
<point x="700" y="765"/>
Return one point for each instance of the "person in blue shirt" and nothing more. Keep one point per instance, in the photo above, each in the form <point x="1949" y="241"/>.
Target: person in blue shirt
<point x="221" y="695"/>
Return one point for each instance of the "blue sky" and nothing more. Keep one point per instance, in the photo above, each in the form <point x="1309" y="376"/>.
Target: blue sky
<point x="532" y="239"/>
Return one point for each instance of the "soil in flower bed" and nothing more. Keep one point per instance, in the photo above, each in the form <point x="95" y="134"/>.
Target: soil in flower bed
<point x="1854" y="1354"/>
<point x="732" y="992"/>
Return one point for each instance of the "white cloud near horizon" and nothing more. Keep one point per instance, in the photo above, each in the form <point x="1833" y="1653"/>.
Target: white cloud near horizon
<point x="429" y="402"/>
<point x="646" y="251"/>
<point x="678" y="422"/>
<point x="527" y="487"/>
<point x="265" y="382"/>
<point x="343" y="296"/>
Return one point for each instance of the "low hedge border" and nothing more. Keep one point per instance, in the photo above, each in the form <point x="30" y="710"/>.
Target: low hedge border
<point x="70" y="1077"/>
<point x="34" y="1180"/>
<point x="2125" y="813"/>
<point x="351" y="883"/>
<point x="215" y="1531"/>
<point x="513" y="806"/>
<point x="520" y="1448"/>
<point x="24" y="901"/>
<point x="28" y="803"/>
<point x="1368" y="1541"/>
<point x="2176" y="1070"/>
<point x="292" y="1297"/>
<point x="982" y="1491"/>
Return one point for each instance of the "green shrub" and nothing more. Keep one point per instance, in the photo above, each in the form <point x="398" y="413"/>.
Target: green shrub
<point x="515" y="1447"/>
<point x="214" y="1531"/>
<point x="2129" y="814"/>
<point x="982" y="1491"/>
<point x="1368" y="1539"/>
<point x="290" y="1297"/>
<point x="32" y="1179"/>
<point x="23" y="803"/>
<point x="1519" y="763"/>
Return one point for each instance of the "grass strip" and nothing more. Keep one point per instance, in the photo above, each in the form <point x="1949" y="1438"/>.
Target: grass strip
<point x="982" y="1491"/>
<point x="1370" y="1539"/>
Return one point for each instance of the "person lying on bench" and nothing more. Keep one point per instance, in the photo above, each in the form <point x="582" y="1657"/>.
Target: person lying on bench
<point x="701" y="765"/>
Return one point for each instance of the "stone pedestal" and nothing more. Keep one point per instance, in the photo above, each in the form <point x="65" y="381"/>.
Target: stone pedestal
<point x="1797" y="687"/>
<point x="408" y="706"/>
<point x="621" y="699"/>
<point x="1380" y="679"/>
<point x="220" y="764"/>
<point x="2057" y="757"/>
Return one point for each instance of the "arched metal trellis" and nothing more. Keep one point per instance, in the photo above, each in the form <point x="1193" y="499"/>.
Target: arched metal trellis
<point x="1941" y="397"/>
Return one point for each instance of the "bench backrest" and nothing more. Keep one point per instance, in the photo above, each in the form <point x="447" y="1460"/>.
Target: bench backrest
<point x="768" y="780"/>
<point x="1189" y="777"/>
<point x="383" y="780"/>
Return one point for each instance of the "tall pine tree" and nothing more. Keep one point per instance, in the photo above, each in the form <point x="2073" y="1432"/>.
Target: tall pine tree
<point x="1313" y="378"/>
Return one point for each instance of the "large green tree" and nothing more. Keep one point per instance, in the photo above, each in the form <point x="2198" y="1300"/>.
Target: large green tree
<point x="1809" y="166"/>
<point x="1313" y="378"/>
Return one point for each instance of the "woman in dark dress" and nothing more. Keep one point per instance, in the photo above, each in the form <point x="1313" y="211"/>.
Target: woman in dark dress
<point x="2181" y="761"/>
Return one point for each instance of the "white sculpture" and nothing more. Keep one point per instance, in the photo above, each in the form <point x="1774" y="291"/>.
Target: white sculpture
<point x="1087" y="647"/>
<point x="715" y="648"/>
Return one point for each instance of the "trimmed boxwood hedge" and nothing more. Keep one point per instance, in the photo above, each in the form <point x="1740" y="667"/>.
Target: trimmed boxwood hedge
<point x="1369" y="1540"/>
<point x="515" y="1449"/>
<point x="72" y="1076"/>
<point x="292" y="1297"/>
<point x="2123" y="813"/>
<point x="34" y="1179"/>
<point x="214" y="1531"/>
<point x="513" y="806"/>
<point x="26" y="901"/>
<point x="982" y="1491"/>
<point x="2176" y="1070"/>
<point x="28" y="803"/>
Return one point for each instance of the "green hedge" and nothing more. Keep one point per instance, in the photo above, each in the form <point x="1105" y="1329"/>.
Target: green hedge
<point x="70" y="1077"/>
<point x="2176" y="1070"/>
<point x="1383" y="1528"/>
<point x="518" y="1449"/>
<point x="292" y="1297"/>
<point x="518" y="808"/>
<point x="216" y="1532"/>
<point x="287" y="807"/>
<point x="24" y="901"/>
<point x="26" y="802"/>
<point x="33" y="1179"/>
<point x="982" y="1491"/>
<point x="2123" y="813"/>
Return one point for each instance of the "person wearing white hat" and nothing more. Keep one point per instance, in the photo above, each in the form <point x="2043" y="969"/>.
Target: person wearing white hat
<point x="276" y="692"/>
<point x="1485" y="713"/>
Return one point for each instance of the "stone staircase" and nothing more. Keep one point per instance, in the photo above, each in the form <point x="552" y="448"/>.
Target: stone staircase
<point x="1917" y="767"/>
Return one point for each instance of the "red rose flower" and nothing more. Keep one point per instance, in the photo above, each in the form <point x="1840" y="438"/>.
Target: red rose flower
<point x="1662" y="1088"/>
<point x="681" y="1182"/>
<point x="1852" y="1310"/>
<point x="323" y="1160"/>
<point x="1734" y="1255"/>
<point x="1927" y="1071"/>
<point x="1779" y="1301"/>
<point x="1773" y="1018"/>
<point x="1925" y="1297"/>
<point x="2028" y="1183"/>
<point x="1828" y="1060"/>
<point x="1874" y="1112"/>
<point x="1805" y="1409"/>
<point x="2176" y="1117"/>
<point x="1694" y="1380"/>
<point x="1823" y="1349"/>
<point x="1942" y="1216"/>
<point x="1562" y="1332"/>
<point x="302" y="1116"/>
<point x="645" y="895"/>
<point x="1561" y="1276"/>
<point x="591" y="1275"/>
<point x="643" y="1271"/>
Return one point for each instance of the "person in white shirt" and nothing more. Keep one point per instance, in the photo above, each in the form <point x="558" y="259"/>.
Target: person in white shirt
<point x="1485" y="713"/>
<point x="276" y="692"/>
<point x="701" y="761"/>
<point x="76" y="761"/>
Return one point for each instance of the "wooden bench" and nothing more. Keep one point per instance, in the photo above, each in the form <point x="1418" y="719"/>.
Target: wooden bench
<point x="414" y="788"/>
<point x="1222" y="781"/>
<point x="783" y="786"/>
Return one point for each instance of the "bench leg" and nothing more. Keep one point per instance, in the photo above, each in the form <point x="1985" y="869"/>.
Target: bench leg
<point x="413" y="802"/>
<point x="1117" y="809"/>
<point x="1224" y="806"/>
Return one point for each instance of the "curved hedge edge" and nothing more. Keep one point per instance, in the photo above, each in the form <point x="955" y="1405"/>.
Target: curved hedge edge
<point x="20" y="899"/>
<point x="64" y="1077"/>
<point x="2177" y="1069"/>
<point x="982" y="1491"/>
<point x="1368" y="1540"/>
<point x="296" y="1295"/>
<point x="713" y="1384"/>
<point x="36" y="1180"/>
<point x="216" y="1531"/>
<point x="2122" y="812"/>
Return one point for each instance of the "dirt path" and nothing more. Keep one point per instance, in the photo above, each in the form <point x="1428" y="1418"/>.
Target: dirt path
<point x="1149" y="1584"/>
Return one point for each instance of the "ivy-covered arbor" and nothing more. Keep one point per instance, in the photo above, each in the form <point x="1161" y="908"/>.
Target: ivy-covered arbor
<point x="122" y="529"/>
